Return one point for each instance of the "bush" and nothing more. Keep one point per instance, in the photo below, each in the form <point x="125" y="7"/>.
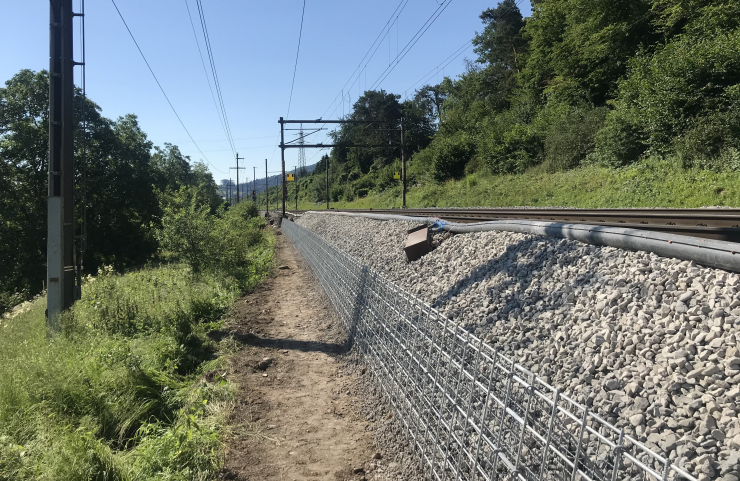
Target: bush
<point x="222" y="243"/>
<point x="512" y="150"/>
<point x="712" y="143"/>
<point x="450" y="154"/>
<point x="569" y="134"/>
<point x="682" y="81"/>
<point x="620" y="142"/>
<point x="348" y="193"/>
<point x="247" y="210"/>
<point x="385" y="178"/>
<point x="187" y="229"/>
<point x="421" y="165"/>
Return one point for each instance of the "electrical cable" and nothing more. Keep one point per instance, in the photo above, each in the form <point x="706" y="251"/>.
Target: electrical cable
<point x="205" y="71"/>
<point x="298" y="51"/>
<point x="160" y="86"/>
<point x="456" y="54"/>
<point x="430" y="21"/>
<point x="209" y="50"/>
<point x="422" y="30"/>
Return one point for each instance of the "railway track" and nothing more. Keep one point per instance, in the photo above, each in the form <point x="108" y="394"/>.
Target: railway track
<point x="720" y="224"/>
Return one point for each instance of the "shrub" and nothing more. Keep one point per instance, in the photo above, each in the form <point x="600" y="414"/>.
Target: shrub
<point x="712" y="143"/>
<point x="512" y="150"/>
<point x="620" y="142"/>
<point x="682" y="81"/>
<point x="336" y="192"/>
<point x="348" y="193"/>
<point x="421" y="165"/>
<point x="385" y="178"/>
<point x="218" y="243"/>
<point x="451" y="154"/>
<point x="246" y="210"/>
<point x="187" y="228"/>
<point x="569" y="134"/>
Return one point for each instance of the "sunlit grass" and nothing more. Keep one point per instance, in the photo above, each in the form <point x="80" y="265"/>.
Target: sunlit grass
<point x="120" y="393"/>
<point x="652" y="183"/>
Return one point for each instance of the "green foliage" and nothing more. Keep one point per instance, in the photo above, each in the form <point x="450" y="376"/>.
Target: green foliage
<point x="218" y="243"/>
<point x="246" y="210"/>
<point x="384" y="178"/>
<point x="603" y="83"/>
<point x="509" y="147"/>
<point x="651" y="182"/>
<point x="451" y="154"/>
<point x="683" y="82"/>
<point x="122" y="178"/>
<point x="187" y="231"/>
<point x="620" y="142"/>
<point x="569" y="134"/>
<point x="713" y="142"/>
<point x="120" y="394"/>
<point x="579" y="49"/>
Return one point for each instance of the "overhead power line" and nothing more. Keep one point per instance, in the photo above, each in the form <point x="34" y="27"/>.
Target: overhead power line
<point x="298" y="51"/>
<point x="406" y="49"/>
<point x="205" y="71"/>
<point x="160" y="86"/>
<point x="209" y="51"/>
<point x="444" y="63"/>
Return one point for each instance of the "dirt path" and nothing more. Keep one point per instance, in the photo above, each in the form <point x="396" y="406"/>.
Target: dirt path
<point x="296" y="415"/>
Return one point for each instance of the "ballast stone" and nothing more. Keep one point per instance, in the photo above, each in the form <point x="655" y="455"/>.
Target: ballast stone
<point x="612" y="328"/>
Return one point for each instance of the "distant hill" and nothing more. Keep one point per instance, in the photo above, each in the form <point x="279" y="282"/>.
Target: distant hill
<point x="259" y="185"/>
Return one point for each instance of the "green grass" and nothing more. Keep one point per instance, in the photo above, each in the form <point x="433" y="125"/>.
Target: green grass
<point x="120" y="393"/>
<point x="652" y="183"/>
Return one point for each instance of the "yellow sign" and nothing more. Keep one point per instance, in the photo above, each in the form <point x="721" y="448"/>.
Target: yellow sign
<point x="291" y="177"/>
<point x="396" y="175"/>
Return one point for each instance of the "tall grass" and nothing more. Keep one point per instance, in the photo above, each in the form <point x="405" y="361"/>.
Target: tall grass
<point x="650" y="183"/>
<point x="120" y="393"/>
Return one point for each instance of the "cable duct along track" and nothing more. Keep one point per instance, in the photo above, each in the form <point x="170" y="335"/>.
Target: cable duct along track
<point x="708" y="252"/>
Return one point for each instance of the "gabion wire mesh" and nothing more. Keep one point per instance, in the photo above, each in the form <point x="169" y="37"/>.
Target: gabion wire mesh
<point x="470" y="412"/>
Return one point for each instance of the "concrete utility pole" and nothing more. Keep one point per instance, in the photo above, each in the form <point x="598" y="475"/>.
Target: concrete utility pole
<point x="267" y="193"/>
<point x="403" y="169"/>
<point x="60" y="274"/>
<point x="237" y="174"/>
<point x="327" y="182"/>
<point x="295" y="176"/>
<point x="254" y="184"/>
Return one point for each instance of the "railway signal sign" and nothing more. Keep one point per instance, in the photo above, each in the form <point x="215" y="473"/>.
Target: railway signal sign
<point x="396" y="175"/>
<point x="291" y="177"/>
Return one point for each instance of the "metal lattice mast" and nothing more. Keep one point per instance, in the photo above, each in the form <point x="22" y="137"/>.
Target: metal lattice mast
<point x="301" y="152"/>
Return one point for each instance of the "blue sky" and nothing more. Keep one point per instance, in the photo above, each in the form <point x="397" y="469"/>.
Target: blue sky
<point x="254" y="47"/>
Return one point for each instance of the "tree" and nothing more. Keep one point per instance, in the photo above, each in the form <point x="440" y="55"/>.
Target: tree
<point x="114" y="169"/>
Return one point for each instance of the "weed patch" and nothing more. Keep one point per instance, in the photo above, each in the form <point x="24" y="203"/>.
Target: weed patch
<point x="120" y="394"/>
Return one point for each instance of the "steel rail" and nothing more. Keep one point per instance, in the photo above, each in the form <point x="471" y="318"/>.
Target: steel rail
<point x="720" y="224"/>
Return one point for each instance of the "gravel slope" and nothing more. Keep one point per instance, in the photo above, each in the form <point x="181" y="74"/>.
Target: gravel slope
<point x="650" y="343"/>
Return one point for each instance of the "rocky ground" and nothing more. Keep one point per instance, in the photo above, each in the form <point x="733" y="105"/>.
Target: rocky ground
<point x="650" y="343"/>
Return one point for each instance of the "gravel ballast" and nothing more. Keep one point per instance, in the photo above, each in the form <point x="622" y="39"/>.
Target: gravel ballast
<point x="649" y="343"/>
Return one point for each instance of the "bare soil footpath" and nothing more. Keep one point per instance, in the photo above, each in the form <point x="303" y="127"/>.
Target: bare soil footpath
<point x="296" y="415"/>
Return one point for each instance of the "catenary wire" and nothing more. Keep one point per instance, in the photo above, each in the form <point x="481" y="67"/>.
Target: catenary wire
<point x="456" y="54"/>
<point x="430" y="21"/>
<point x="160" y="86"/>
<point x="298" y="51"/>
<point x="209" y="50"/>
<point x="205" y="71"/>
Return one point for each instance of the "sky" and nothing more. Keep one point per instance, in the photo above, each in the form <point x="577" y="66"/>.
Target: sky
<point x="254" y="46"/>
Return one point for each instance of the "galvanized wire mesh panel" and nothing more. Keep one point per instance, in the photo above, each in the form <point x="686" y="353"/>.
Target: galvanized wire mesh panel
<point x="471" y="413"/>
